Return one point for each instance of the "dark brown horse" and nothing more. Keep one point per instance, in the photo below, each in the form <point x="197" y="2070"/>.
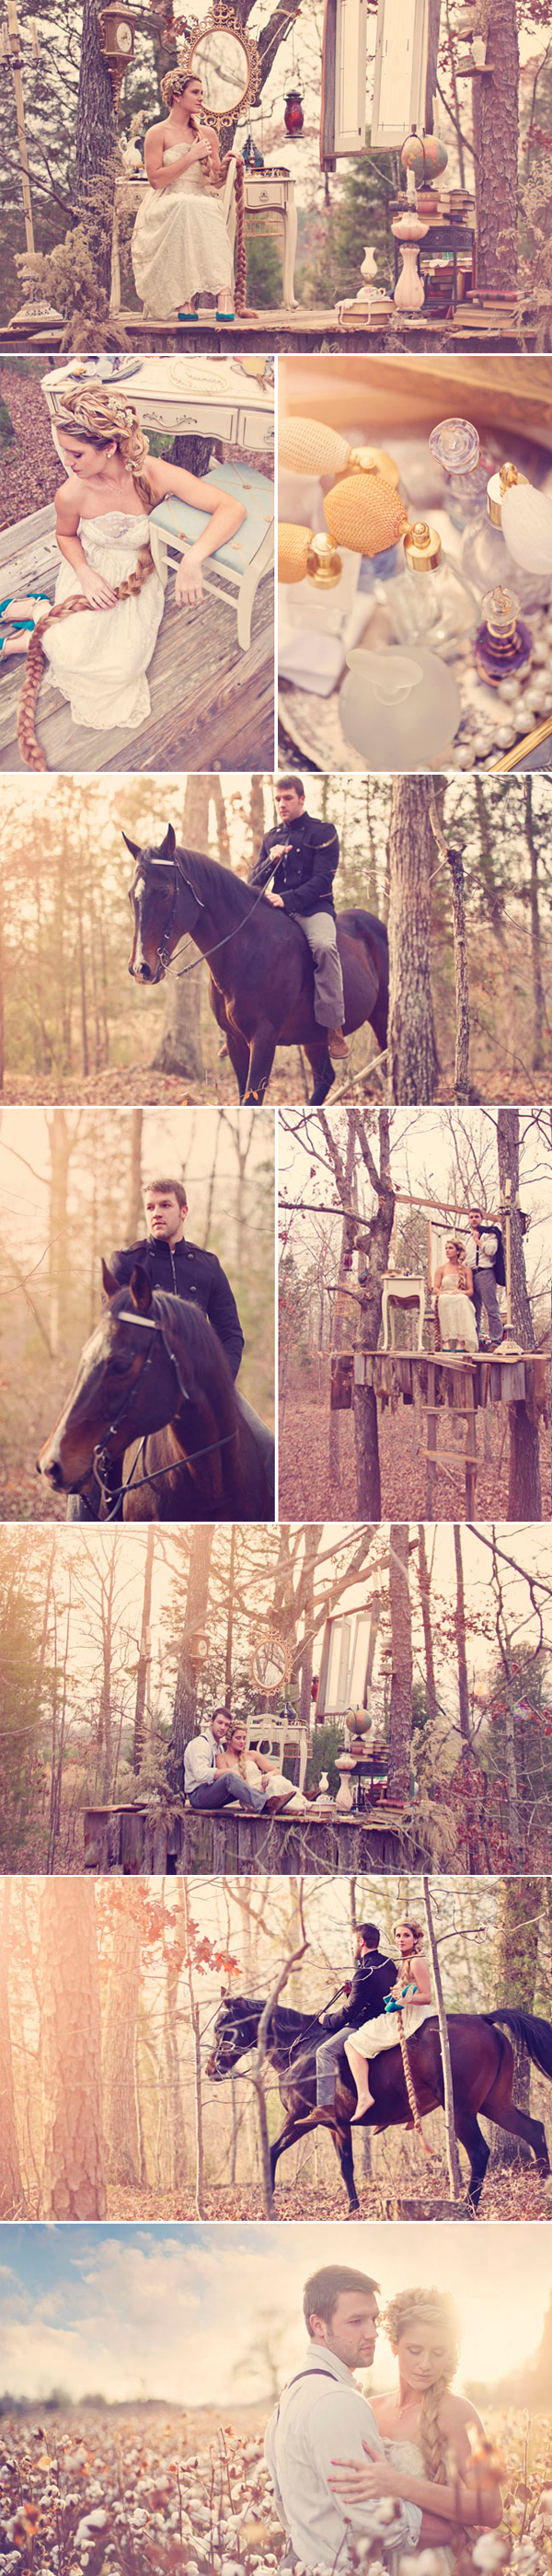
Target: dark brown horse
<point x="482" y="2073"/>
<point x="261" y="985"/>
<point x="154" y="1418"/>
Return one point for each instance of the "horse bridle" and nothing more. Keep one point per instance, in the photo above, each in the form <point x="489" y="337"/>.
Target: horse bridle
<point x="163" y="959"/>
<point x="101" y="1462"/>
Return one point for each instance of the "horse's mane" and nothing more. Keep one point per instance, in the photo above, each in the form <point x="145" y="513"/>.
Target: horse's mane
<point x="289" y="2024"/>
<point x="205" y="875"/>
<point x="192" y="1336"/>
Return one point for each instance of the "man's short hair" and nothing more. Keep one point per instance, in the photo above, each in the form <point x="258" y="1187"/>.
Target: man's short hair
<point x="290" y="780"/>
<point x="178" y="1189"/>
<point x="370" y="1933"/>
<point x="226" y="1713"/>
<point x="322" y="2292"/>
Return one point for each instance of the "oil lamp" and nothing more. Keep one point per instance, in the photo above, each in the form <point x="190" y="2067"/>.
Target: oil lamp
<point x="293" y="112"/>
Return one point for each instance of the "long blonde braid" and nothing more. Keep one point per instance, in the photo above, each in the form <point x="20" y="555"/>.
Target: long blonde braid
<point x="430" y="2307"/>
<point x="102" y="417"/>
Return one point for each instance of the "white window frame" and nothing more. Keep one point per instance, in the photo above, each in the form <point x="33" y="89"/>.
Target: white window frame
<point x="393" y="17"/>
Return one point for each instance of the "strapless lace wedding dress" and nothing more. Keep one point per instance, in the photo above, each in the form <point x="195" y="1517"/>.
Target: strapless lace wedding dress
<point x="406" y="2456"/>
<point x="100" y="660"/>
<point x="180" y="244"/>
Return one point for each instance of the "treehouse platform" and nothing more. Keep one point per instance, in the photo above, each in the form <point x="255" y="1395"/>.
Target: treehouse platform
<point x="306" y="328"/>
<point x="446" y="1382"/>
<point x="131" y="1840"/>
<point x="212" y="706"/>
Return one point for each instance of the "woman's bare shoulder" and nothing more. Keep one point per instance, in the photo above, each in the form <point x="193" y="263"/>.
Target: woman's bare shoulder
<point x="69" y="496"/>
<point x="455" y="2411"/>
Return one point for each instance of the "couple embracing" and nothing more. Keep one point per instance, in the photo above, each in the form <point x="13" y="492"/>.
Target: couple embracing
<point x="400" y="2473"/>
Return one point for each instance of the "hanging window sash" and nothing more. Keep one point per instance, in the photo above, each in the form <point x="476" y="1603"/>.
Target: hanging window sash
<point x="343" y="127"/>
<point x="400" y="72"/>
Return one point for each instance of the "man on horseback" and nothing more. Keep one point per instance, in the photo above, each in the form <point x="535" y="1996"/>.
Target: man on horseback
<point x="301" y="855"/>
<point x="186" y="1270"/>
<point x="372" y="1980"/>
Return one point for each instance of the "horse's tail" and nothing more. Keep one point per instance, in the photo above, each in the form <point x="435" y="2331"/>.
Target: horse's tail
<point x="534" y="2034"/>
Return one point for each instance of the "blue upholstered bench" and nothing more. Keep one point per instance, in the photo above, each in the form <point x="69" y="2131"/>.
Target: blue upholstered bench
<point x="239" y="565"/>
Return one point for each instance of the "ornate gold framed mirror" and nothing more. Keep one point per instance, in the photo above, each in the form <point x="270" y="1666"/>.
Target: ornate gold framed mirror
<point x="225" y="59"/>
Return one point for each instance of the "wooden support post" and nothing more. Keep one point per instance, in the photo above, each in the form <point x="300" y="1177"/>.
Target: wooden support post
<point x="20" y="116"/>
<point x="431" y="1436"/>
<point x="471" y="1444"/>
<point x="508" y="1229"/>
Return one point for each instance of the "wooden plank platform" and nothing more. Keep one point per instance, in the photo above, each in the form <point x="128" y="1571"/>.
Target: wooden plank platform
<point x="305" y="328"/>
<point x="236" y="1844"/>
<point x="212" y="707"/>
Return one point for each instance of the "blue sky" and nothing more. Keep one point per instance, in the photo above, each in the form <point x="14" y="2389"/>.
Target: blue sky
<point x="173" y="2312"/>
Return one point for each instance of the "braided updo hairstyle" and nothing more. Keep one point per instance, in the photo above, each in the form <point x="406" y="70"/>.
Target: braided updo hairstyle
<point x="100" y="417"/>
<point x="173" y="86"/>
<point x="428" y="2307"/>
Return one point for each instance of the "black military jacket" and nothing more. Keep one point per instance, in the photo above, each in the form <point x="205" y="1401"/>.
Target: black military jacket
<point x="373" y="1980"/>
<point x="304" y="878"/>
<point x="187" y="1271"/>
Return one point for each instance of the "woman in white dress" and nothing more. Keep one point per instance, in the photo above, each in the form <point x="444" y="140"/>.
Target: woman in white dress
<point x="412" y="1997"/>
<point x="180" y="243"/>
<point x="429" y="2458"/>
<point x="102" y="513"/>
<point x="453" y="1285"/>
<point x="257" y="1766"/>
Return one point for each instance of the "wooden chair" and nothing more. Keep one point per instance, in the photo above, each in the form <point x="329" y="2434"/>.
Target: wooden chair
<point x="407" y="1290"/>
<point x="276" y="1737"/>
<point x="237" y="567"/>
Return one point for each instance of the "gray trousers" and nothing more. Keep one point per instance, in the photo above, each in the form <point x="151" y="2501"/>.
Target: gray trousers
<point x="485" y="1296"/>
<point x="327" y="2062"/>
<point x="224" y="1786"/>
<point x="320" y="931"/>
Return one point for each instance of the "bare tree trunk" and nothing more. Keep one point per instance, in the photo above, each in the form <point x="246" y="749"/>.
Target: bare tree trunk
<point x="456" y="871"/>
<point x="453" y="2160"/>
<point x="425" y="1601"/>
<point x="134" y="1184"/>
<point x="198" y="2101"/>
<point x="536" y="943"/>
<point x="180" y="1048"/>
<point x="185" y="1702"/>
<point x="412" y="1054"/>
<point x="74" y="2172"/>
<point x="259" y="2063"/>
<point x="524" y="1487"/>
<point x="343" y="1310"/>
<point x="376" y="1240"/>
<point x="144" y="1656"/>
<point x="460" y="1635"/>
<point x="400" y="1709"/>
<point x="520" y="1902"/>
<point x="12" y="2196"/>
<point x="496" y="123"/>
<point x="119" y="2044"/>
<point x="96" y="129"/>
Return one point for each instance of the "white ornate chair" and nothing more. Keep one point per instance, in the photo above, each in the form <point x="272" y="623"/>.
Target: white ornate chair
<point x="238" y="566"/>
<point x="276" y="1737"/>
<point x="404" y="1290"/>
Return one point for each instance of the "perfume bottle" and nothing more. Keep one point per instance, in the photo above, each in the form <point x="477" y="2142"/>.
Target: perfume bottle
<point x="485" y="555"/>
<point x="503" y="645"/>
<point x="428" y="599"/>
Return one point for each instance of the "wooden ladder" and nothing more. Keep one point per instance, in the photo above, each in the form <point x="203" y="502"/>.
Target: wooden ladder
<point x="436" y="1456"/>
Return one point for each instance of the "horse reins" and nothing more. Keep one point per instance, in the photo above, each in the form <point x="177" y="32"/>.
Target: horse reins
<point x="101" y="1463"/>
<point x="163" y="949"/>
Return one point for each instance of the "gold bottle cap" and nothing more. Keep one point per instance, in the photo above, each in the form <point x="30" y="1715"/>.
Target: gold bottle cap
<point x="373" y="460"/>
<point x="422" y="547"/>
<point x="324" y="565"/>
<point x="499" y="484"/>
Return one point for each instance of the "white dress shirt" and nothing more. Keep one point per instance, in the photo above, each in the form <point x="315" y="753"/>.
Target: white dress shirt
<point x="481" y="1253"/>
<point x="199" y="1760"/>
<point x="313" y="2425"/>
